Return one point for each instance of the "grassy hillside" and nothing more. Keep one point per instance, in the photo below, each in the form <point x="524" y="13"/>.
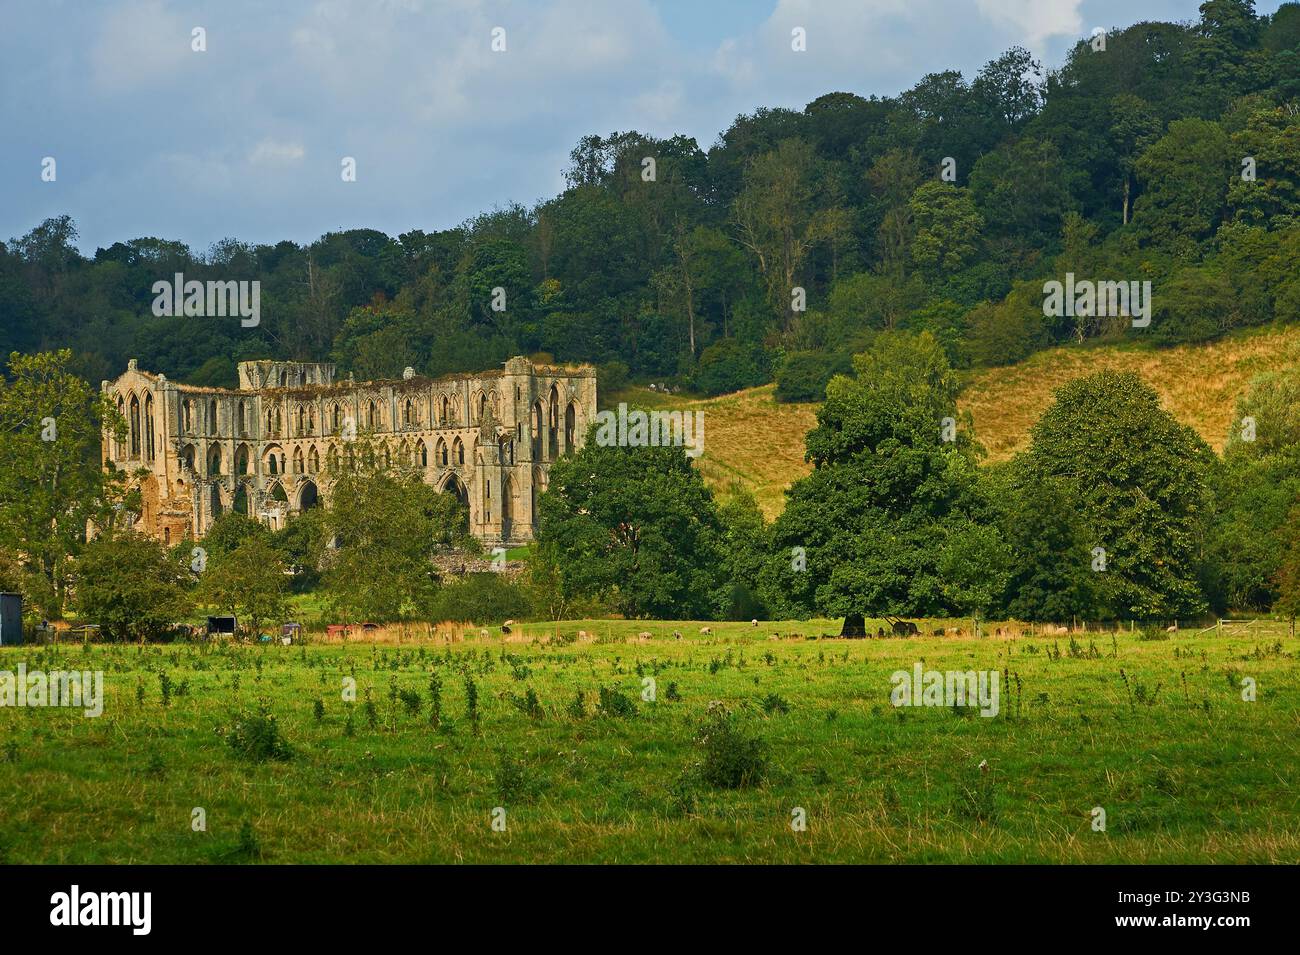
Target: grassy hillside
<point x="1199" y="384"/>
<point x="753" y="441"/>
<point x="750" y="440"/>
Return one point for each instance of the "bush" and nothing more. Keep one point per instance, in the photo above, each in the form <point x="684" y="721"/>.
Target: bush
<point x="803" y="375"/>
<point x="257" y="736"/>
<point x="483" y="598"/>
<point x="615" y="703"/>
<point x="611" y="377"/>
<point x="729" y="365"/>
<point x="514" y="782"/>
<point x="131" y="587"/>
<point x="732" y="758"/>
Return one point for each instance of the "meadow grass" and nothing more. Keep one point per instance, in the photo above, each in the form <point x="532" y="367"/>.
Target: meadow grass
<point x="1155" y="731"/>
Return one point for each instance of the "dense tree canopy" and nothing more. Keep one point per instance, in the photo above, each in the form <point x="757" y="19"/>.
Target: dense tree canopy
<point x="1139" y="480"/>
<point x="894" y="484"/>
<point x="924" y="210"/>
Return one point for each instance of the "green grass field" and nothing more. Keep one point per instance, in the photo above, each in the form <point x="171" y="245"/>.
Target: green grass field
<point x="1153" y="731"/>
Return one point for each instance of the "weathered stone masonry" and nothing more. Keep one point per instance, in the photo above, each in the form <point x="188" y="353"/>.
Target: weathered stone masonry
<point x="269" y="448"/>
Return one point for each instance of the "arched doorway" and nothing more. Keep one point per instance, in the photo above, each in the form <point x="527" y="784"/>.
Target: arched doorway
<point x="309" y="496"/>
<point x="454" y="485"/>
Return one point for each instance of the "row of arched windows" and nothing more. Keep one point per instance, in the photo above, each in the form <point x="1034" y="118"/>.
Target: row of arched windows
<point x="140" y="440"/>
<point x="191" y="409"/>
<point x="410" y="417"/>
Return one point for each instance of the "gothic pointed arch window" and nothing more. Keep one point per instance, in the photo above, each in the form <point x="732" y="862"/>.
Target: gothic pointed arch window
<point x="553" y="424"/>
<point x="313" y="460"/>
<point x="421" y="454"/>
<point x="297" y="460"/>
<point x="148" y="428"/>
<point x="458" y="452"/>
<point x="535" y="431"/>
<point x="135" y="426"/>
<point x="440" y="453"/>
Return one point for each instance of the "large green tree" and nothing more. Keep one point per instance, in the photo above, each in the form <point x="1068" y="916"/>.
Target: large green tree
<point x="51" y="482"/>
<point x="636" y="527"/>
<point x="387" y="528"/>
<point x="249" y="581"/>
<point x="1140" y="482"/>
<point x="867" y="530"/>
<point x="131" y="586"/>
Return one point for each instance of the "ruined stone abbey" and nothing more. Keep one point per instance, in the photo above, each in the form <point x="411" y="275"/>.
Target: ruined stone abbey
<point x="271" y="447"/>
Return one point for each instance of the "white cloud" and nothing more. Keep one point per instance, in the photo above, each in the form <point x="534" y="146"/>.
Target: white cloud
<point x="271" y="153"/>
<point x="1037" y="20"/>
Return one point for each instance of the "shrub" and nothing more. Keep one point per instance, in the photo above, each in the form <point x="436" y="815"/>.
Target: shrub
<point x="611" y="377"/>
<point x="482" y="598"/>
<point x="257" y="736"/>
<point x="577" y="707"/>
<point x="131" y="586"/>
<point x="802" y="375"/>
<point x="732" y="759"/>
<point x="410" y="701"/>
<point x="729" y="365"/>
<point x="514" y="782"/>
<point x="615" y="703"/>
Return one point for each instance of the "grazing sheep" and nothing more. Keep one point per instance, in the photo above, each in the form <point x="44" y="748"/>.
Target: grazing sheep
<point x="582" y="634"/>
<point x="644" y="635"/>
<point x="483" y="632"/>
<point x="677" y="634"/>
<point x="505" y="627"/>
<point x="706" y="630"/>
<point x="753" y="623"/>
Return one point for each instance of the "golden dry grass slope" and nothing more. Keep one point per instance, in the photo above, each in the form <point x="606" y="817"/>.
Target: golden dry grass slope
<point x="755" y="442"/>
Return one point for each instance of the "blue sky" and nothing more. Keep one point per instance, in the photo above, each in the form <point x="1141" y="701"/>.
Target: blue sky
<point x="246" y="139"/>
